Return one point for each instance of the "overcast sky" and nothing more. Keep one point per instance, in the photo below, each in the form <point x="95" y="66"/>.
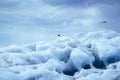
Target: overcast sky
<point x="24" y="21"/>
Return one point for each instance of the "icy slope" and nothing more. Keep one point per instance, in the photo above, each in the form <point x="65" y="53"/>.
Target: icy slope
<point x="85" y="56"/>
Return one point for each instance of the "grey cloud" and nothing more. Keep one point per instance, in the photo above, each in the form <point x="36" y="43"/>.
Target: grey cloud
<point x="102" y="1"/>
<point x="79" y="2"/>
<point x="27" y="20"/>
<point x="64" y="2"/>
<point x="110" y="11"/>
<point x="17" y="4"/>
<point x="9" y="4"/>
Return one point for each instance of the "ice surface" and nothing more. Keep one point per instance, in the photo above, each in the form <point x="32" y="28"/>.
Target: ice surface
<point x="85" y="56"/>
<point x="95" y="74"/>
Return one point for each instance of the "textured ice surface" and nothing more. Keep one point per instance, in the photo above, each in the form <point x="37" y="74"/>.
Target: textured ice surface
<point x="85" y="56"/>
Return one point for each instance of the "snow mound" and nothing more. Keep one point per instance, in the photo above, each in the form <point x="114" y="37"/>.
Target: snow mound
<point x="84" y="56"/>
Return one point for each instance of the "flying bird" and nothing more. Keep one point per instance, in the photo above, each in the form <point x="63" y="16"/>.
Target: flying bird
<point x="58" y="35"/>
<point x="103" y="22"/>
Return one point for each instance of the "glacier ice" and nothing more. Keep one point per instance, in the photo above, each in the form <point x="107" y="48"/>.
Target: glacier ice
<point x="85" y="56"/>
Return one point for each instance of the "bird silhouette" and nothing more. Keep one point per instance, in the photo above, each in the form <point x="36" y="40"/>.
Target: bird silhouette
<point x="103" y="22"/>
<point x="58" y="35"/>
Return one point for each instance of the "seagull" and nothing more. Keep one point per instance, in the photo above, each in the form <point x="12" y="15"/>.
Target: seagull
<point x="58" y="35"/>
<point x="103" y="22"/>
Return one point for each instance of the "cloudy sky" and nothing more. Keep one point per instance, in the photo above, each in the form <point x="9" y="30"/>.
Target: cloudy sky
<point x="24" y="21"/>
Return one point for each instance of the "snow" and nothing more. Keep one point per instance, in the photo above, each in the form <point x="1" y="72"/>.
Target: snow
<point x="85" y="56"/>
